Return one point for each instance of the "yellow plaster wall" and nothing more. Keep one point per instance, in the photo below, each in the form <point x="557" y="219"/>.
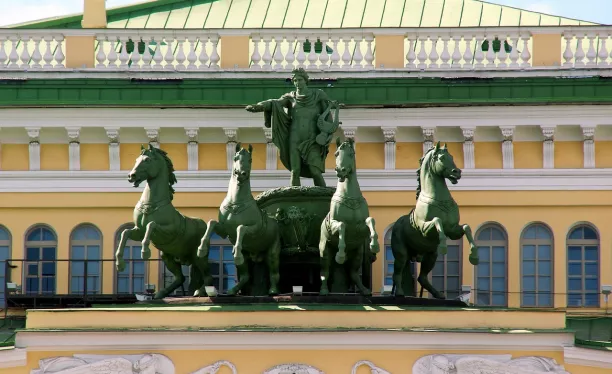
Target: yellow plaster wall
<point x="407" y="155"/>
<point x="330" y="161"/>
<point x="456" y="149"/>
<point x="128" y="153"/>
<point x="94" y="157"/>
<point x="547" y="49"/>
<point x="603" y="154"/>
<point x="80" y="52"/>
<point x="14" y="157"/>
<point x="390" y="51"/>
<point x="487" y="155"/>
<point x="94" y="14"/>
<point x="212" y="156"/>
<point x="569" y="155"/>
<point x="177" y="153"/>
<point x="259" y="156"/>
<point x="528" y="155"/>
<point x="369" y="155"/>
<point x="235" y="52"/>
<point x="54" y="157"/>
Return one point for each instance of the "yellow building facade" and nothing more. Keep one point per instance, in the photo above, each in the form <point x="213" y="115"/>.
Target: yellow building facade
<point x="83" y="93"/>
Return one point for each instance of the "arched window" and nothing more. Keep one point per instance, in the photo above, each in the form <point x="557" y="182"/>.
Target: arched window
<point x="85" y="256"/>
<point x="583" y="267"/>
<point x="491" y="272"/>
<point x="132" y="279"/>
<point x="446" y="274"/>
<point x="390" y="260"/>
<point x="5" y="254"/>
<point x="537" y="266"/>
<point x="40" y="257"/>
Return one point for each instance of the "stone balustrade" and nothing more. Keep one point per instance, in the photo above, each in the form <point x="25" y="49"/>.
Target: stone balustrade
<point x="357" y="49"/>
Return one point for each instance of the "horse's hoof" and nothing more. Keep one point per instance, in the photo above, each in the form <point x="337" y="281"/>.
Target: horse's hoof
<point x="232" y="292"/>
<point x="159" y="295"/>
<point x="340" y="259"/>
<point x="366" y="293"/>
<point x="239" y="260"/>
<point x="324" y="292"/>
<point x="440" y="296"/>
<point x="120" y="266"/>
<point x="374" y="248"/>
<point x="474" y="260"/>
<point x="202" y="253"/>
<point x="146" y="254"/>
<point x="273" y="291"/>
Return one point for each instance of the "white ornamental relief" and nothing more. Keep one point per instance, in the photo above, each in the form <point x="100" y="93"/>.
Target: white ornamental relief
<point x="485" y="364"/>
<point x="214" y="368"/>
<point x="104" y="364"/>
<point x="373" y="368"/>
<point x="293" y="369"/>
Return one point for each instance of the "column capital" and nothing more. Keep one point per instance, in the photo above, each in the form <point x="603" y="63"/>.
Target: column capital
<point x="192" y="134"/>
<point x="73" y="134"/>
<point x="349" y="132"/>
<point x="268" y="134"/>
<point x="113" y="134"/>
<point x="468" y="133"/>
<point x="548" y="132"/>
<point x="389" y="134"/>
<point x="507" y="133"/>
<point x="588" y="132"/>
<point x="428" y="133"/>
<point x="152" y="134"/>
<point x="33" y="133"/>
<point x="231" y="133"/>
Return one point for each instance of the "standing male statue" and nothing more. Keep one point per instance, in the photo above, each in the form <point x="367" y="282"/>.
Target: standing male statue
<point x="303" y="132"/>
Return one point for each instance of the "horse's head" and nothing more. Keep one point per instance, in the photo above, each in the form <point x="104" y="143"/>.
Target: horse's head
<point x="345" y="158"/>
<point x="441" y="163"/>
<point x="146" y="166"/>
<point x="242" y="163"/>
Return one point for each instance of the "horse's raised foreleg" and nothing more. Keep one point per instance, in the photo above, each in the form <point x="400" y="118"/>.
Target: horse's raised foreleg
<point x="205" y="242"/>
<point x="436" y="223"/>
<point x="338" y="227"/>
<point x="324" y="258"/>
<point x="473" y="248"/>
<point x="374" y="246"/>
<point x="241" y="232"/>
<point x="427" y="265"/>
<point x="356" y="262"/>
<point x="134" y="234"/>
<point x="176" y="270"/>
<point x="146" y="251"/>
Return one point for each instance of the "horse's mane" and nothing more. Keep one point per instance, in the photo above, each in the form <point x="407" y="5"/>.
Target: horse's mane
<point x="418" y="171"/>
<point x="348" y="143"/>
<point x="169" y="165"/>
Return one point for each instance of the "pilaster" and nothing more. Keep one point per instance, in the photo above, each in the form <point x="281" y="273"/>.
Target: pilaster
<point x="549" y="146"/>
<point x="588" y="132"/>
<point x="192" y="148"/>
<point x="468" y="147"/>
<point x="34" y="147"/>
<point x="508" y="147"/>
<point x="74" y="148"/>
<point x="230" y="148"/>
<point x="428" y="138"/>
<point x="271" y="152"/>
<point x="390" y="147"/>
<point x="114" y="161"/>
<point x="153" y="135"/>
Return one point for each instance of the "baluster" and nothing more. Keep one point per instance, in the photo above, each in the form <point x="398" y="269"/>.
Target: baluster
<point x="214" y="56"/>
<point x="568" y="55"/>
<point x="324" y="56"/>
<point x="100" y="56"/>
<point x="124" y="57"/>
<point x="169" y="57"/>
<point x="445" y="56"/>
<point x="180" y="55"/>
<point x="146" y="56"/>
<point x="203" y="57"/>
<point x="490" y="52"/>
<point x="357" y="55"/>
<point x="603" y="50"/>
<point x="346" y="56"/>
<point x="13" y="56"/>
<point x="525" y="54"/>
<point x="112" y="54"/>
<point x="468" y="56"/>
<point x="369" y="56"/>
<point x="591" y="54"/>
<point x="301" y="56"/>
<point x="290" y="57"/>
<point x="422" y="56"/>
<point x="433" y="54"/>
<point x="456" y="63"/>
<point x="255" y="57"/>
<point x="502" y="55"/>
<point x="136" y="54"/>
<point x="25" y="54"/>
<point x="267" y="56"/>
<point x="479" y="55"/>
<point x="278" y="54"/>
<point x="312" y="55"/>
<point x="3" y="55"/>
<point x="48" y="57"/>
<point x="514" y="55"/>
<point x="192" y="57"/>
<point x="157" y="54"/>
<point x="579" y="55"/>
<point x="335" y="57"/>
<point x="59" y="54"/>
<point x="36" y="56"/>
<point x="410" y="55"/>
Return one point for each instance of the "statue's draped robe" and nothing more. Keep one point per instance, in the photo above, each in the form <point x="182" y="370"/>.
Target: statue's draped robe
<point x="309" y="107"/>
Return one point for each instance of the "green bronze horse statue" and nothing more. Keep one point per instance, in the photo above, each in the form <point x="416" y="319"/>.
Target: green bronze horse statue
<point x="157" y="221"/>
<point x="348" y="223"/>
<point x="249" y="228"/>
<point x="421" y="235"/>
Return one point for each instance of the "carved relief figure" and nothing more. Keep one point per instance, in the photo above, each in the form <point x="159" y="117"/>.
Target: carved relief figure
<point x="86" y="364"/>
<point x="485" y="364"/>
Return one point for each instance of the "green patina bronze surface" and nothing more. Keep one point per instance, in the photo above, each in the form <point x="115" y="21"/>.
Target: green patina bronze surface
<point x="421" y="235"/>
<point x="157" y="221"/>
<point x="302" y="128"/>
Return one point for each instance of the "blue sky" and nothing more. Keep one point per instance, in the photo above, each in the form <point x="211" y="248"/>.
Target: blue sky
<point x="16" y="11"/>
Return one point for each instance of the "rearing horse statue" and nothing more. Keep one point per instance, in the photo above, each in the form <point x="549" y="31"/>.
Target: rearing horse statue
<point x="248" y="227"/>
<point x="421" y="235"/>
<point x="348" y="222"/>
<point x="157" y="221"/>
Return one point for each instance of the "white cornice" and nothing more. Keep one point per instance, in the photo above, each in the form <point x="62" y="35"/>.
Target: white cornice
<point x="243" y="340"/>
<point x="588" y="357"/>
<point x="12" y="357"/>
<point x="369" y="180"/>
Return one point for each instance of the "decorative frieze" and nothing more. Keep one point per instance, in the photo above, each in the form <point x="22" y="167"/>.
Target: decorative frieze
<point x="113" y="148"/>
<point x="34" y="147"/>
<point x="476" y="364"/>
<point x="271" y="152"/>
<point x="230" y="147"/>
<point x="588" y="132"/>
<point x="428" y="138"/>
<point x="153" y="135"/>
<point x="216" y="367"/>
<point x="390" y="147"/>
<point x="549" y="146"/>
<point x="373" y="368"/>
<point x="508" y="147"/>
<point x="74" y="148"/>
<point x="293" y="369"/>
<point x="192" y="148"/>
<point x="468" y="147"/>
<point x="83" y="363"/>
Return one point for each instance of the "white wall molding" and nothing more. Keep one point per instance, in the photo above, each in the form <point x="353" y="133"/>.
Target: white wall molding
<point x="10" y="358"/>
<point x="74" y="148"/>
<point x="261" y="180"/>
<point x="549" y="146"/>
<point x="469" y="161"/>
<point x="390" y="146"/>
<point x="428" y="137"/>
<point x="113" y="148"/>
<point x="271" y="151"/>
<point x="587" y="357"/>
<point x="192" y="148"/>
<point x="86" y="363"/>
<point x="349" y="132"/>
<point x="588" y="132"/>
<point x="153" y="135"/>
<point x="230" y="147"/>
<point x="34" y="147"/>
<point x="508" y="147"/>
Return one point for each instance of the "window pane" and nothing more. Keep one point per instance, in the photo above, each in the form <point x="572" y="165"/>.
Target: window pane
<point x="4" y="235"/>
<point x="452" y="268"/>
<point x="529" y="300"/>
<point x="48" y="253"/>
<point x="32" y="254"/>
<point x="47" y="235"/>
<point x="483" y="284"/>
<point x="484" y="253"/>
<point x="529" y="284"/>
<point x="32" y="284"/>
<point x="589" y="233"/>
<point x="93" y="252"/>
<point x="591" y="284"/>
<point x="214" y="254"/>
<point x="499" y="270"/>
<point x="574" y="300"/>
<point x="390" y="269"/>
<point x="136" y="252"/>
<point x="78" y="252"/>
<point x="48" y="269"/>
<point x="228" y="283"/>
<point x="389" y="254"/>
<point x="79" y="234"/>
<point x="530" y="233"/>
<point x="33" y="270"/>
<point x="591" y="300"/>
<point x="542" y="232"/>
<point x="483" y="270"/>
<point x="123" y="285"/>
<point x="544" y="252"/>
<point x="544" y="284"/>
<point x="544" y="268"/>
<point x="139" y="268"/>
<point x="498" y="299"/>
<point x="48" y="285"/>
<point x="591" y="269"/>
<point x="229" y="269"/>
<point x="528" y="267"/>
<point x="92" y="233"/>
<point x="388" y="281"/>
<point x="76" y="284"/>
<point x="499" y="254"/>
<point x="575" y="284"/>
<point x="576" y="233"/>
<point x="93" y="268"/>
<point x="139" y="284"/>
<point x="591" y="253"/>
<point x="574" y="253"/>
<point x="453" y="252"/>
<point x="35" y="235"/>
<point x="77" y="268"/>
<point x="483" y="299"/>
<point x="499" y="284"/>
<point x="545" y="300"/>
<point x="529" y="252"/>
<point x="497" y="234"/>
<point x="452" y="284"/>
<point x="438" y="269"/>
<point x="214" y="268"/>
<point x="484" y="235"/>
<point x="575" y="268"/>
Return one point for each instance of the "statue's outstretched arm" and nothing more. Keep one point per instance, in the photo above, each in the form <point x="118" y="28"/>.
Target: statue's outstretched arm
<point x="265" y="105"/>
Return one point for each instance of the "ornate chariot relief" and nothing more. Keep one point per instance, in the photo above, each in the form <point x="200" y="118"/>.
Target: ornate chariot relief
<point x="373" y="368"/>
<point x="293" y="369"/>
<point x="105" y="364"/>
<point x="214" y="368"/>
<point x="486" y="364"/>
